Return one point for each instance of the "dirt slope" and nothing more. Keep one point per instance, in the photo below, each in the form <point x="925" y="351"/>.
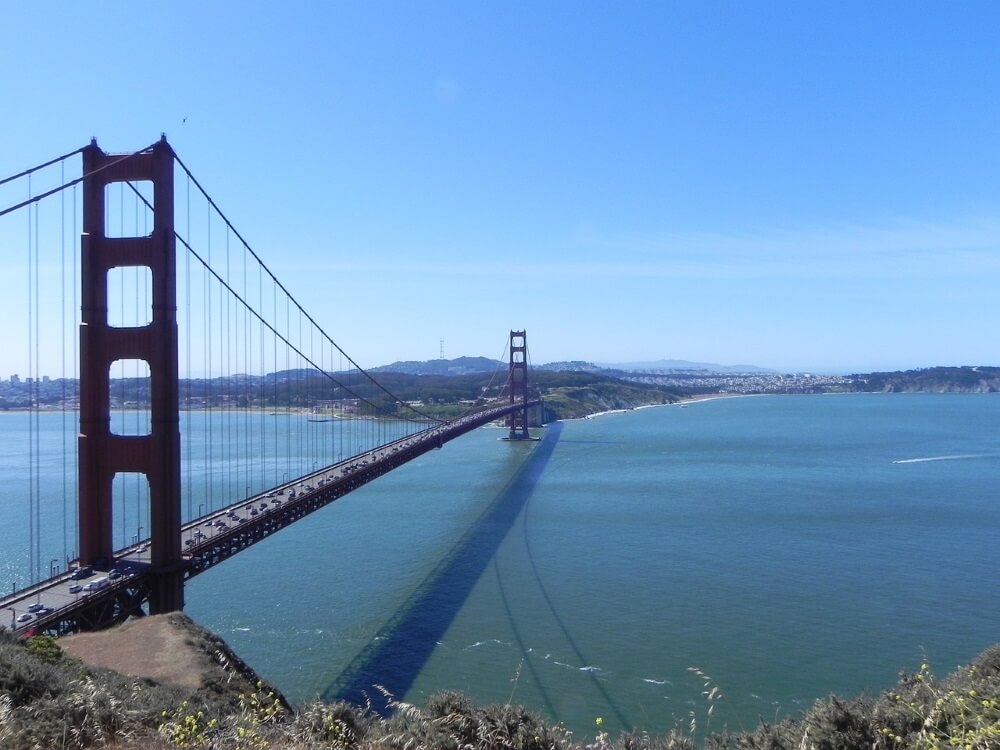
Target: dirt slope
<point x="171" y="649"/>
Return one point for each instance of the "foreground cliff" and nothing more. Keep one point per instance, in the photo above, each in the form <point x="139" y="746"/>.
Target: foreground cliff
<point x="180" y="686"/>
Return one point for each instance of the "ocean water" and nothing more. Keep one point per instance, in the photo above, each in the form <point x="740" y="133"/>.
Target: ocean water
<point x="787" y="546"/>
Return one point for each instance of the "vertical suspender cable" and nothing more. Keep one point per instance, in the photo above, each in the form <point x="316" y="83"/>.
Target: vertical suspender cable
<point x="36" y="400"/>
<point x="246" y="369"/>
<point x="263" y="370"/>
<point x="298" y="422"/>
<point x="142" y="401"/>
<point x="288" y="366"/>
<point x="226" y="337"/>
<point x="148" y="305"/>
<point x="206" y="335"/>
<point x="144" y="311"/>
<point x="140" y="390"/>
<point x="31" y="406"/>
<point x="274" y="367"/>
<point x="76" y="360"/>
<point x="62" y="374"/>
<point x="188" y="434"/>
<point x="118" y="481"/>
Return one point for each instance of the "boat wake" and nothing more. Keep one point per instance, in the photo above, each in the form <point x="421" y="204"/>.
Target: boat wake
<point x="945" y="458"/>
<point x="477" y="644"/>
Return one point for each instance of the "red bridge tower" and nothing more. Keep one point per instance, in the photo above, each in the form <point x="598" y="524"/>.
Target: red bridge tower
<point x="102" y="452"/>
<point x="518" y="420"/>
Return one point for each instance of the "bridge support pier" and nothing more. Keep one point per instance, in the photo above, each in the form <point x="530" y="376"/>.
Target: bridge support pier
<point x="103" y="453"/>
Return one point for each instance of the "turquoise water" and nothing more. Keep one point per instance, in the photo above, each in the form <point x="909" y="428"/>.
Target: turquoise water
<point x="788" y="546"/>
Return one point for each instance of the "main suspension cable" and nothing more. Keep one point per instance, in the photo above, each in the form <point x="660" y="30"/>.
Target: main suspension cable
<point x="71" y="183"/>
<point x="34" y="169"/>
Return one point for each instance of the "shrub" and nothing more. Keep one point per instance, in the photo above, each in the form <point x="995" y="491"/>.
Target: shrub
<point x="44" y="647"/>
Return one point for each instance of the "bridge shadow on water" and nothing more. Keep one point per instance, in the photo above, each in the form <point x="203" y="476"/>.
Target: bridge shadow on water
<point x="401" y="648"/>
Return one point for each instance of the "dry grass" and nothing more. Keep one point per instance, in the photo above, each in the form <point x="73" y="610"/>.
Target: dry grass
<point x="51" y="701"/>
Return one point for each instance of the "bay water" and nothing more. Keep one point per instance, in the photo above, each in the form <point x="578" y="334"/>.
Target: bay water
<point x="788" y="547"/>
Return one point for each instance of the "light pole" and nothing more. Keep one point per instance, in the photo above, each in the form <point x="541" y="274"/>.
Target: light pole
<point x="201" y="507"/>
<point x="53" y="567"/>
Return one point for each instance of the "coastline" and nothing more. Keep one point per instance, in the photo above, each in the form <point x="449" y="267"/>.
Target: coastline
<point x="682" y="401"/>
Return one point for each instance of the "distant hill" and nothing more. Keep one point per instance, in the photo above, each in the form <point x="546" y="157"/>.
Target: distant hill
<point x="573" y="366"/>
<point x="472" y="365"/>
<point x="658" y="366"/>
<point x="680" y="365"/>
<point x="459" y="366"/>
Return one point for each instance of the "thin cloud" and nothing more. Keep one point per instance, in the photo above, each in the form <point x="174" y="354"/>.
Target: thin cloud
<point x="905" y="249"/>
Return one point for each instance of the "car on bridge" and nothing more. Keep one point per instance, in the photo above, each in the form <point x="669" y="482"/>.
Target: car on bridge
<point x="80" y="573"/>
<point x="25" y="617"/>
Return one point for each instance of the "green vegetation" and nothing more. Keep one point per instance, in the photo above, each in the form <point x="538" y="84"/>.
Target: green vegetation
<point x="48" y="700"/>
<point x="573" y="395"/>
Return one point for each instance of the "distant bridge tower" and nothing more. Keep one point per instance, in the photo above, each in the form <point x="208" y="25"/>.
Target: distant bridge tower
<point x="518" y="420"/>
<point x="103" y="453"/>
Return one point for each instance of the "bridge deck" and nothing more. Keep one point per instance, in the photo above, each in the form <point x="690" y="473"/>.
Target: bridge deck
<point x="62" y="604"/>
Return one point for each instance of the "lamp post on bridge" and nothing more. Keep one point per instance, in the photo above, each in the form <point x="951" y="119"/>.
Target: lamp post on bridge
<point x="53" y="567"/>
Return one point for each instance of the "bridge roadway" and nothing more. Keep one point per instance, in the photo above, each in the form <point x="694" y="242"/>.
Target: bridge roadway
<point x="88" y="600"/>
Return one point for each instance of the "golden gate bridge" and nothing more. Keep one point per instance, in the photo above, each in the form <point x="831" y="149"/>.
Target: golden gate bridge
<point x="126" y="288"/>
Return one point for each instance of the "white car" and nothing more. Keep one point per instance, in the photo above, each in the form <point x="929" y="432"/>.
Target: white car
<point x="23" y="617"/>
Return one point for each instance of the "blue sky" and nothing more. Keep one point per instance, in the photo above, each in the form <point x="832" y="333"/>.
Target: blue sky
<point x="797" y="185"/>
